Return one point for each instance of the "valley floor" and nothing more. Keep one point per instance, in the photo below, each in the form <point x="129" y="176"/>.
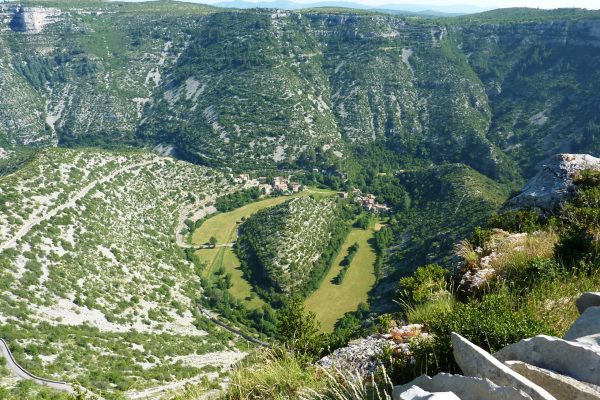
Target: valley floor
<point x="331" y="300"/>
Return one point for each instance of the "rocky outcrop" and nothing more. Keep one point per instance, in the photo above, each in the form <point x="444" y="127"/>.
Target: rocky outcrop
<point x="33" y="19"/>
<point x="553" y="185"/>
<point x="466" y="387"/>
<point x="573" y="359"/>
<point x="416" y="393"/>
<point x="560" y="386"/>
<point x="542" y="367"/>
<point x="474" y="361"/>
<point x="587" y="328"/>
<point x="361" y="356"/>
<point x="587" y="299"/>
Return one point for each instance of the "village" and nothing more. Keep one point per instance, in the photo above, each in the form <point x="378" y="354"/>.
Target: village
<point x="284" y="185"/>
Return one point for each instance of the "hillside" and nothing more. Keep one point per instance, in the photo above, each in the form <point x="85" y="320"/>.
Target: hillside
<point x="287" y="247"/>
<point x="434" y="208"/>
<point x="265" y="87"/>
<point x="94" y="288"/>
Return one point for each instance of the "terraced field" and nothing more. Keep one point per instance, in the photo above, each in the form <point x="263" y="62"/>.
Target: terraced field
<point x="331" y="301"/>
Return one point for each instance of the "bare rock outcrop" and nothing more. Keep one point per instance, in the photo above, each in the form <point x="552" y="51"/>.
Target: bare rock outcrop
<point x="560" y="386"/>
<point x="466" y="387"/>
<point x="361" y="356"/>
<point x="416" y="393"/>
<point x="573" y="359"/>
<point x="474" y="361"/>
<point x="587" y="299"/>
<point x="553" y="185"/>
<point x="33" y="19"/>
<point x="586" y="329"/>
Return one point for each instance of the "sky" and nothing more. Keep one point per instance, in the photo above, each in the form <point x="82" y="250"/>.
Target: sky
<point x="548" y="4"/>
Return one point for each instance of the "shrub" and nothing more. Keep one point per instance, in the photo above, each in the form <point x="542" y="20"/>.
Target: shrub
<point x="579" y="243"/>
<point x="299" y="329"/>
<point x="425" y="282"/>
<point x="480" y="237"/>
<point x="492" y="323"/>
<point x="517" y="221"/>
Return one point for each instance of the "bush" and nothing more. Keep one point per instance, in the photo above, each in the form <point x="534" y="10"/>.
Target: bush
<point x="480" y="237"/>
<point x="492" y="323"/>
<point x="424" y="284"/>
<point x="579" y="243"/>
<point x="517" y="221"/>
<point x="299" y="330"/>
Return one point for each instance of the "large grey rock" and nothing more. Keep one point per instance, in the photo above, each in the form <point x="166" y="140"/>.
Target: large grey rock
<point x="33" y="19"/>
<point x="586" y="329"/>
<point x="467" y="387"/>
<point x="586" y="300"/>
<point x="416" y="393"/>
<point x="560" y="386"/>
<point x="474" y="361"/>
<point x="573" y="359"/>
<point x="553" y="185"/>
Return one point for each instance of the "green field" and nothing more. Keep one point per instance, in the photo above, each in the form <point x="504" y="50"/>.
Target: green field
<point x="225" y="257"/>
<point x="224" y="228"/>
<point x="331" y="301"/>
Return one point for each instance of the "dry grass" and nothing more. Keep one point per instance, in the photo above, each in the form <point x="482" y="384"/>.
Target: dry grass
<point x="280" y="375"/>
<point x="515" y="250"/>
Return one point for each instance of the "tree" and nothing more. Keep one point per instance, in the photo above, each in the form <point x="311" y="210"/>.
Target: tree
<point x="213" y="241"/>
<point x="299" y="329"/>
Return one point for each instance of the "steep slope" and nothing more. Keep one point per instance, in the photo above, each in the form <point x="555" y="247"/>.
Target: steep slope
<point x="264" y="87"/>
<point x="92" y="278"/>
<point x="82" y="73"/>
<point x="541" y="78"/>
<point x="285" y="245"/>
<point x="441" y="205"/>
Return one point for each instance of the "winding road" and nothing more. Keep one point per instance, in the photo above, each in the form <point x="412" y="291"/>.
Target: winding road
<point x="24" y="374"/>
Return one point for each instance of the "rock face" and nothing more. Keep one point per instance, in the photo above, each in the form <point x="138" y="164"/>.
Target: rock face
<point x="33" y="19"/>
<point x="416" y="393"/>
<point x="553" y="185"/>
<point x="587" y="299"/>
<point x="587" y="327"/>
<point x="576" y="360"/>
<point x="560" y="386"/>
<point x="466" y="387"/>
<point x="474" y="361"/>
<point x="361" y="355"/>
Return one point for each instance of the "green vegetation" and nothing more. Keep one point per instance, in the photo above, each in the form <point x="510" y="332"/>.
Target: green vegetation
<point x="345" y="264"/>
<point x="238" y="199"/>
<point x="289" y="248"/>
<point x="332" y="300"/>
<point x="524" y="297"/>
<point x="224" y="226"/>
<point x="104" y="304"/>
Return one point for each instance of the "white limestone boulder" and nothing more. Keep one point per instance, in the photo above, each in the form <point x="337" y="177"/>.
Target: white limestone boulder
<point x="560" y="386"/>
<point x="587" y="299"/>
<point x="467" y="387"/>
<point x="586" y="329"/>
<point x="474" y="361"/>
<point x="573" y="359"/>
<point x="416" y="393"/>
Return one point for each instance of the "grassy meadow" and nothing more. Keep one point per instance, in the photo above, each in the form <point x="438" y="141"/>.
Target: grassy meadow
<point x="331" y="301"/>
